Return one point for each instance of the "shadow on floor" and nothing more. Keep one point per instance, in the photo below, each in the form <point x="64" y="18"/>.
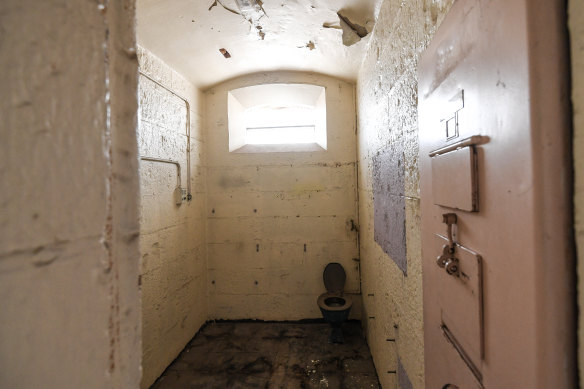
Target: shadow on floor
<point x="271" y="355"/>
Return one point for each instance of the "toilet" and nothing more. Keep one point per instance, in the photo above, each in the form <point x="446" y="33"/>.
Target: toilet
<point x="333" y="304"/>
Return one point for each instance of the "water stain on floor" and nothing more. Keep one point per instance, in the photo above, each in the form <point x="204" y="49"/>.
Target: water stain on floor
<point x="227" y="355"/>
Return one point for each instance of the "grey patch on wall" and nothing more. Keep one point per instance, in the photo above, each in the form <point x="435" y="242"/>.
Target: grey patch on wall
<point x="389" y="204"/>
<point x="403" y="381"/>
<point x="232" y="182"/>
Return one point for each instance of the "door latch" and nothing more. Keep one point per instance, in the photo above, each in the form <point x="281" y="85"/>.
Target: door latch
<point x="451" y="266"/>
<point x="447" y="260"/>
<point x="442" y="259"/>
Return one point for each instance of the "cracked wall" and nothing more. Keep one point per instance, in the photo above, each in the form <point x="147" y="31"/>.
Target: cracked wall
<point x="172" y="238"/>
<point x="388" y="130"/>
<point x="293" y="35"/>
<point x="274" y="220"/>
<point x="69" y="257"/>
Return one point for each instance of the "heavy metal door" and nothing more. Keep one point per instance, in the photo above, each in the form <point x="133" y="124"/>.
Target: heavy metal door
<point x="495" y="193"/>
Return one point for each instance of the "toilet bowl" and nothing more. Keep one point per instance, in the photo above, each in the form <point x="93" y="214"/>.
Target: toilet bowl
<point x="333" y="304"/>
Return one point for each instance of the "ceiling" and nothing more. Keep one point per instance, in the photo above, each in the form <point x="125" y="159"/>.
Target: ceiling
<point x="301" y="35"/>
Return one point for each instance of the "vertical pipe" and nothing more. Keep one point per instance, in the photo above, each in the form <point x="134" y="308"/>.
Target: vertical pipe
<point x="188" y="130"/>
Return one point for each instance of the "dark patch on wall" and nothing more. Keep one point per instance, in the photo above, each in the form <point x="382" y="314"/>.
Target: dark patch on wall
<point x="389" y="204"/>
<point x="232" y="182"/>
<point x="403" y="381"/>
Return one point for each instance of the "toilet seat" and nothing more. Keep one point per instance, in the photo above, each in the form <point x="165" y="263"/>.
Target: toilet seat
<point x="322" y="298"/>
<point x="334" y="277"/>
<point x="336" y="312"/>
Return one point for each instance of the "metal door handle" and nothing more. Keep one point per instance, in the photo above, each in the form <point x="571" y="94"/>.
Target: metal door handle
<point x="446" y="254"/>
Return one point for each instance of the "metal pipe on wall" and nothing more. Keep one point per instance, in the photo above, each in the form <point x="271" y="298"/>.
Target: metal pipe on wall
<point x="178" y="176"/>
<point x="188" y="132"/>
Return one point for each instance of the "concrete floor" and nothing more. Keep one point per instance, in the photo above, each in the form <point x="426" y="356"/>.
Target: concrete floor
<point x="272" y="355"/>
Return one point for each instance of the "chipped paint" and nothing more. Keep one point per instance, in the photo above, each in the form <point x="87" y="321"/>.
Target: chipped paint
<point x="352" y="32"/>
<point x="388" y="182"/>
<point x="359" y="30"/>
<point x="251" y="10"/>
<point x="225" y="7"/>
<point x="269" y="33"/>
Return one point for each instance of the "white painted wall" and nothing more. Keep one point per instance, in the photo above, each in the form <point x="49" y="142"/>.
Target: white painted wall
<point x="387" y="112"/>
<point x="172" y="238"/>
<point x="263" y="208"/>
<point x="69" y="262"/>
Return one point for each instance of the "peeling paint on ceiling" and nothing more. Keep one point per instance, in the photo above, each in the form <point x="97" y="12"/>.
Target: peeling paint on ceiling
<point x="352" y="32"/>
<point x="324" y="36"/>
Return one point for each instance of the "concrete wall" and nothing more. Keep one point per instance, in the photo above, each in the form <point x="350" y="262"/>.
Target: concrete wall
<point x="576" y="25"/>
<point x="172" y="238"/>
<point x="387" y="122"/>
<point x="69" y="260"/>
<point x="274" y="220"/>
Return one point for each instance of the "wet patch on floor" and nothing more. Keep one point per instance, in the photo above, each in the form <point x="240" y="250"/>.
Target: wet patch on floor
<point x="272" y="355"/>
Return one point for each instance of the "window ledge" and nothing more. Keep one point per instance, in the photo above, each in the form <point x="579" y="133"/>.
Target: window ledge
<point x="280" y="148"/>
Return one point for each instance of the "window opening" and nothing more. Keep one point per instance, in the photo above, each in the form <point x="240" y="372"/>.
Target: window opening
<point x="292" y="116"/>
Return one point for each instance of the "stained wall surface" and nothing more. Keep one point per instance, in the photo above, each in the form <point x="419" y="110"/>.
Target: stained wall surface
<point x="274" y="220"/>
<point x="172" y="237"/>
<point x="69" y="259"/>
<point x="387" y="122"/>
<point x="576" y="25"/>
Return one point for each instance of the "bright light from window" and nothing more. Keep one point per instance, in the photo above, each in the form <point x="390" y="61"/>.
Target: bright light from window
<point x="280" y="135"/>
<point x="279" y="125"/>
<point x="277" y="117"/>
